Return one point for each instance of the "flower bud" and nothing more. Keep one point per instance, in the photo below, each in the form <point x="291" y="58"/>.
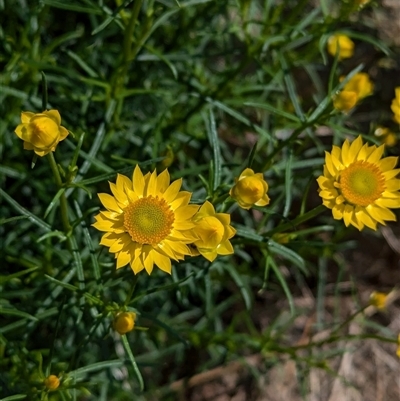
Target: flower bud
<point x="378" y="299"/>
<point x="41" y="132"/>
<point x="124" y="322"/>
<point x="250" y="189"/>
<point x="52" y="382"/>
<point x="213" y="231"/>
<point x="346" y="46"/>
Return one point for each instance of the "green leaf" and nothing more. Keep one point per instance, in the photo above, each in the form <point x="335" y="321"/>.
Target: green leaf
<point x="283" y="284"/>
<point x="4" y="279"/>
<point x="54" y="202"/>
<point x="243" y="288"/>
<point x="72" y="7"/>
<point x="133" y="362"/>
<point x="14" y="397"/>
<point x="288" y="185"/>
<point x="88" y="240"/>
<point x="273" y="110"/>
<point x="288" y="254"/>
<point x="34" y="219"/>
<point x="81" y="372"/>
<point x="214" y="143"/>
<point x="16" y="312"/>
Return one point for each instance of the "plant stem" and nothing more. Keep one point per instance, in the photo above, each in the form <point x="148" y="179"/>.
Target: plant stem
<point x="298" y="220"/>
<point x="63" y="199"/>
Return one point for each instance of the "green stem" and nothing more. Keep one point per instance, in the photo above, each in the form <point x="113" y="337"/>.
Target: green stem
<point x="298" y="220"/>
<point x="132" y="290"/>
<point x="63" y="199"/>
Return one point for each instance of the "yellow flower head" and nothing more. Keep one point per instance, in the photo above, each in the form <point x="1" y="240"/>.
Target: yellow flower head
<point x="124" y="322"/>
<point x="52" y="382"/>
<point x="250" y="189"/>
<point x="41" y="132"/>
<point x="359" y="186"/>
<point x="147" y="221"/>
<point x="358" y="87"/>
<point x="396" y="106"/>
<point x="213" y="231"/>
<point x="346" y="46"/>
<point x="378" y="299"/>
<point x="386" y="136"/>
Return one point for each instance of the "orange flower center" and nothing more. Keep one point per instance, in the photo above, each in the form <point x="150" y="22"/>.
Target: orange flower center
<point x="149" y="220"/>
<point x="362" y="183"/>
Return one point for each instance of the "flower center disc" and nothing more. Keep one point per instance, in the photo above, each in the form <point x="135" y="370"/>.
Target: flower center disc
<point x="362" y="183"/>
<point x="148" y="220"/>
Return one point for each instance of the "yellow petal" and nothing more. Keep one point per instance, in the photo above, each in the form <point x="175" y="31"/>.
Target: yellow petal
<point x="163" y="262"/>
<point x="163" y="181"/>
<point x="149" y="262"/>
<point x="365" y="218"/>
<point x="182" y="198"/>
<point x="119" y="195"/>
<point x="388" y="163"/>
<point x="355" y="147"/>
<point x="151" y="187"/>
<point x="123" y="182"/>
<point x="123" y="258"/>
<point x="109" y="203"/>
<point x="138" y="181"/>
<point x="376" y="154"/>
<point x="348" y="214"/>
<point x="54" y="115"/>
<point x="172" y="191"/>
<point x="26" y="116"/>
<point x="225" y="248"/>
<point x="137" y="265"/>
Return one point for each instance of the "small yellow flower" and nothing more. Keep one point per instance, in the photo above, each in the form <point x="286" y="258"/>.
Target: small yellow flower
<point x="396" y="105"/>
<point x="378" y="299"/>
<point x="346" y="46"/>
<point x="213" y="231"/>
<point x="124" y="322"/>
<point x="147" y="221"/>
<point x="386" y="136"/>
<point x="250" y="189"/>
<point x="41" y="132"/>
<point x="52" y="382"/>
<point x="359" y="186"/>
<point x="358" y="87"/>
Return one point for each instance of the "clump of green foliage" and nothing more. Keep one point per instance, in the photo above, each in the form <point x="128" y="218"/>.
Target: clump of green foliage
<point x="204" y="88"/>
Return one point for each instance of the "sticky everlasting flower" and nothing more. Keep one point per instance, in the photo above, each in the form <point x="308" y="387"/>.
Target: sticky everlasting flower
<point x="378" y="299"/>
<point x="41" y="132"/>
<point x="359" y="186"/>
<point x="386" y="136"/>
<point x="346" y="46"/>
<point x="52" y="382"/>
<point x="147" y="221"/>
<point x="357" y="88"/>
<point x="213" y="231"/>
<point x="250" y="189"/>
<point x="124" y="322"/>
<point x="396" y="106"/>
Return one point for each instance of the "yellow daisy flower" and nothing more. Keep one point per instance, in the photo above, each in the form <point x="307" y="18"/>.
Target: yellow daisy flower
<point x="346" y="46"/>
<point x="147" y="221"/>
<point x="395" y="106"/>
<point x="359" y="186"/>
<point x="41" y="132"/>
<point x="213" y="232"/>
